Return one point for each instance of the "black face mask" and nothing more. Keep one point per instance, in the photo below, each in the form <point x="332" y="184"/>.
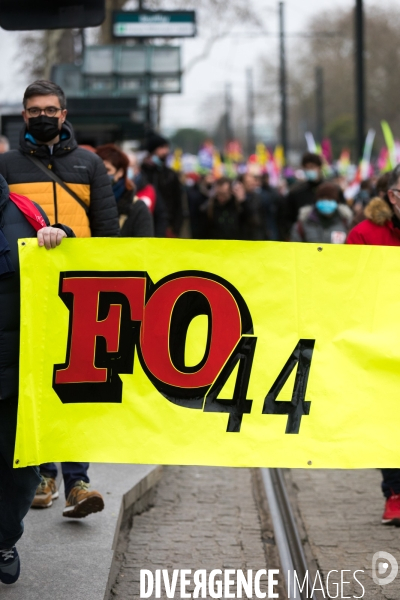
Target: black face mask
<point x="43" y="129"/>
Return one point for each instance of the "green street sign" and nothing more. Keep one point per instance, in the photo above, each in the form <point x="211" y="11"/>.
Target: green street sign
<point x="146" y="24"/>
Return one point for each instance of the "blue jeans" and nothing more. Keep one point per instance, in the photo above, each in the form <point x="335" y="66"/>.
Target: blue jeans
<point x="72" y="472"/>
<point x="17" y="486"/>
<point x="391" y="482"/>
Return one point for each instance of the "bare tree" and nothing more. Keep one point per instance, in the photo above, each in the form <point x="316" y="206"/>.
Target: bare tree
<point x="40" y="50"/>
<point x="335" y="54"/>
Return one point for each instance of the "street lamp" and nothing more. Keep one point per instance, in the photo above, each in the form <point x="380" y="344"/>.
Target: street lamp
<point x="360" y="77"/>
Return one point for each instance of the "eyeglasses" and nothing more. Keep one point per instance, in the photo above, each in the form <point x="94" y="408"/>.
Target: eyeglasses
<point x="49" y="111"/>
<point x="394" y="190"/>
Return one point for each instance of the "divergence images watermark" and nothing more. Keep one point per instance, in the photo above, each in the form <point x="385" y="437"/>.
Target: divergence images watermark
<point x="380" y="568"/>
<point x="231" y="583"/>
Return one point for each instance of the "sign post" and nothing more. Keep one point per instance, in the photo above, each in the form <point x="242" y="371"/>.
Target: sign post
<point x="145" y="24"/>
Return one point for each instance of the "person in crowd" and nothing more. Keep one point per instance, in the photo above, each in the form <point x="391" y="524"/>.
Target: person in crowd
<point x="150" y="196"/>
<point x="382" y="185"/>
<point x="135" y="219"/>
<point x="252" y="206"/>
<point x="361" y="200"/>
<point x="17" y="486"/>
<point x="327" y="221"/>
<point x="382" y="228"/>
<point x="85" y="202"/>
<point x="72" y="186"/>
<point x="301" y="194"/>
<point x="198" y="196"/>
<point x="270" y="205"/>
<point x="225" y="212"/>
<point x="165" y="180"/>
<point x="4" y="144"/>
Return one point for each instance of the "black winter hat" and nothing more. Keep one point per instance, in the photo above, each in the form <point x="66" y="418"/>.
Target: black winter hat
<point x="155" y="141"/>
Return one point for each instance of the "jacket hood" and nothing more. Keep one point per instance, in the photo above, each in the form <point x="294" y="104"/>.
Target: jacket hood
<point x="67" y="142"/>
<point x="343" y="211"/>
<point x="378" y="211"/>
<point x="4" y="193"/>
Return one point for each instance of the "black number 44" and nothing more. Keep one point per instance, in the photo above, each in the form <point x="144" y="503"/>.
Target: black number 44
<point x="239" y="404"/>
<point x="298" y="406"/>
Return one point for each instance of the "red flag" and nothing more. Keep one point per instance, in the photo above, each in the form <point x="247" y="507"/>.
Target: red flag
<point x="31" y="212"/>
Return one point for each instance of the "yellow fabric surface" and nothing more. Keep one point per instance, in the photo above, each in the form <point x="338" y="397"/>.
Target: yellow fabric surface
<point x="344" y="298"/>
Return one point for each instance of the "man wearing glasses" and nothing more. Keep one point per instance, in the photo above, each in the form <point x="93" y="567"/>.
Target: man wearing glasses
<point x="72" y="186"/>
<point x="382" y="228"/>
<point x="87" y="203"/>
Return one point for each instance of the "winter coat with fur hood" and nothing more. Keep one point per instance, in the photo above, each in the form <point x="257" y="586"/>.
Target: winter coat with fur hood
<point x="381" y="227"/>
<point x="312" y="227"/>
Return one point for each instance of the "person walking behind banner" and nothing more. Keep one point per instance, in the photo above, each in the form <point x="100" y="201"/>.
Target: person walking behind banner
<point x="382" y="228"/>
<point x="328" y="221"/>
<point x="150" y="196"/>
<point x="71" y="184"/>
<point x="19" y="218"/>
<point x="271" y="201"/>
<point x="225" y="211"/>
<point x="135" y="219"/>
<point x="252" y="206"/>
<point x="301" y="194"/>
<point x="165" y="180"/>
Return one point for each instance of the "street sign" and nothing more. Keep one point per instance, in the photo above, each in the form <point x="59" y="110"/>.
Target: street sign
<point x="166" y="23"/>
<point x="118" y="71"/>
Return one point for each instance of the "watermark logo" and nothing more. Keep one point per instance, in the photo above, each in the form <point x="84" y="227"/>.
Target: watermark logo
<point x="385" y="568"/>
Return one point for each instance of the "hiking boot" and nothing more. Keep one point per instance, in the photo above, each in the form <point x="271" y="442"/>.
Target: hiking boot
<point x="81" y="502"/>
<point x="391" y="516"/>
<point x="45" y="494"/>
<point x="9" y="565"/>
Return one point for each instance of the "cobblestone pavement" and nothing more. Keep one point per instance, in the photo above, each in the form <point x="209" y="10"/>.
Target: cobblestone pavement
<point x="202" y="518"/>
<point x="341" y="513"/>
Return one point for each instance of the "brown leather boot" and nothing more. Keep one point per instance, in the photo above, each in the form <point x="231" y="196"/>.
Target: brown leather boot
<point x="45" y="494"/>
<point x="81" y="502"/>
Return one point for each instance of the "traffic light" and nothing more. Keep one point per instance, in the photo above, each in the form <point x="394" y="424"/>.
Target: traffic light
<point x="23" y="15"/>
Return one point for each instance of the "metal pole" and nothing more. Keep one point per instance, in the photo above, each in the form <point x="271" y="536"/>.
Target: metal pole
<point x="250" y="112"/>
<point x="283" y="79"/>
<point x="360" y="77"/>
<point x="319" y="101"/>
<point x="228" y="113"/>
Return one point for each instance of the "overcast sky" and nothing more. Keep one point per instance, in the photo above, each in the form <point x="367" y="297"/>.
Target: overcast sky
<point x="227" y="61"/>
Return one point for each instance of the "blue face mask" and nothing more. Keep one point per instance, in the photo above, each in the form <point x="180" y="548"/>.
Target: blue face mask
<point x="157" y="160"/>
<point x="326" y="207"/>
<point x="129" y="173"/>
<point x="311" y="175"/>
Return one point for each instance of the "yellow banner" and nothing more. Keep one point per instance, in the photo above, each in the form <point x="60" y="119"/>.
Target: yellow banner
<point x="209" y="353"/>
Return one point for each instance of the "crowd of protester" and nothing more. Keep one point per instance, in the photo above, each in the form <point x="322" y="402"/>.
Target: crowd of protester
<point x="105" y="192"/>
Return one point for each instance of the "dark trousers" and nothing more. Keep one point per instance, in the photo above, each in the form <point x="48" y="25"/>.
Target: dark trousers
<point x="72" y="472"/>
<point x="17" y="486"/>
<point x="391" y="482"/>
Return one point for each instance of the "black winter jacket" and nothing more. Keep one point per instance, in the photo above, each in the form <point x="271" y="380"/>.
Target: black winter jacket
<point x="14" y="226"/>
<point x="81" y="170"/>
<point x="166" y="181"/>
<point x="135" y="218"/>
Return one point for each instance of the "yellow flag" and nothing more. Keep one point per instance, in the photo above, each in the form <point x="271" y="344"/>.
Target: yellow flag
<point x="176" y="164"/>
<point x="209" y="353"/>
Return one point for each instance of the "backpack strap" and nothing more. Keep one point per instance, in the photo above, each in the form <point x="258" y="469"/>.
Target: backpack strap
<point x="29" y="210"/>
<point x="58" y="180"/>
